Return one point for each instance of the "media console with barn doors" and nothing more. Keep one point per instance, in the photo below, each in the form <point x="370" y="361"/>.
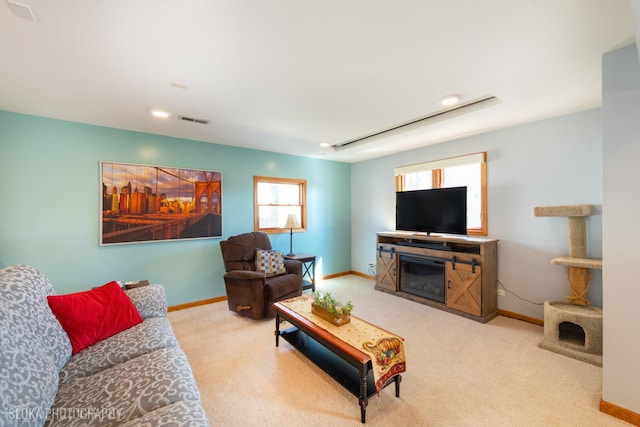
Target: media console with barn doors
<point x="453" y="273"/>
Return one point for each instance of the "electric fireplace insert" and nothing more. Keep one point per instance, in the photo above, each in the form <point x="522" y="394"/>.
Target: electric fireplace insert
<point x="423" y="277"/>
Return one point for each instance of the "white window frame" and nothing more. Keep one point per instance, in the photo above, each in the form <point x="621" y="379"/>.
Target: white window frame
<point x="302" y="185"/>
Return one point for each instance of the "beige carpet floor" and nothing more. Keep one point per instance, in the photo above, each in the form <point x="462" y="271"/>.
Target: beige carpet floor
<point x="459" y="372"/>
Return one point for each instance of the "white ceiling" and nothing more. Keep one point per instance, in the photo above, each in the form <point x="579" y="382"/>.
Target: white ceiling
<point x="285" y="75"/>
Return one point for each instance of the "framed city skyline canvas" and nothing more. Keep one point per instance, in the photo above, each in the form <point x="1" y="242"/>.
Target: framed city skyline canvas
<point x="143" y="203"/>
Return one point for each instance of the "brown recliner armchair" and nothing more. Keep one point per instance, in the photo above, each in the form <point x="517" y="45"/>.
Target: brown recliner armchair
<point x="250" y="293"/>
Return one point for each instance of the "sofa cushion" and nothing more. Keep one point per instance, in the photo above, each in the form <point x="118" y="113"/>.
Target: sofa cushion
<point x="152" y="334"/>
<point x="271" y="263"/>
<point x="91" y="316"/>
<point x="279" y="287"/>
<point x="128" y="390"/>
<point x="33" y="345"/>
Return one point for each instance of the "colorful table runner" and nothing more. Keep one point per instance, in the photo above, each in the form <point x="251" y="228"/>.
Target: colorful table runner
<point x="385" y="349"/>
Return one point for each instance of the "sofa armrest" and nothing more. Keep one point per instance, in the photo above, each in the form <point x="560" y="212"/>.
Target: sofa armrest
<point x="244" y="275"/>
<point x="150" y="301"/>
<point x="293" y="266"/>
<point x="245" y="292"/>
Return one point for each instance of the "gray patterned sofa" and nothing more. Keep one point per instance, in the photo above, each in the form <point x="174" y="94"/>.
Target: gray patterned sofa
<point x="139" y="376"/>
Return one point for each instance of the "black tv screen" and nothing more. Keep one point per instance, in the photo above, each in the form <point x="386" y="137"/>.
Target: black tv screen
<point x="439" y="210"/>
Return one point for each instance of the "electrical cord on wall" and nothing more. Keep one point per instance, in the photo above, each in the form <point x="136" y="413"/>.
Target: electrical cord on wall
<point x="518" y="296"/>
<point x="372" y="270"/>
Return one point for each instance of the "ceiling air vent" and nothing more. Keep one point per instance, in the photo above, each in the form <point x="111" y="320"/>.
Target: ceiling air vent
<point x="193" y="120"/>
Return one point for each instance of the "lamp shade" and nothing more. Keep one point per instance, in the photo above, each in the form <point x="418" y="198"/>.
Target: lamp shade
<point x="292" y="221"/>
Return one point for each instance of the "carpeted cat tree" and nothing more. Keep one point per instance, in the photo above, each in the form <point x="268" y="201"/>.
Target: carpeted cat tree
<point x="574" y="328"/>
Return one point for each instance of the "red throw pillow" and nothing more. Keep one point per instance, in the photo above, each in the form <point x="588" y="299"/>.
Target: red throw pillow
<point x="91" y="316"/>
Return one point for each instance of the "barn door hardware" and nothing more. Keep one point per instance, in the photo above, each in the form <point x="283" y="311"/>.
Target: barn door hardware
<point x="391" y="251"/>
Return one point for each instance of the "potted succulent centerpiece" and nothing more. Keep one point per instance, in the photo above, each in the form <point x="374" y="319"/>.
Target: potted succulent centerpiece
<point x="326" y="307"/>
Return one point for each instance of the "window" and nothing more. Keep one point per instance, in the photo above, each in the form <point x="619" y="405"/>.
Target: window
<point x="275" y="199"/>
<point x="469" y="171"/>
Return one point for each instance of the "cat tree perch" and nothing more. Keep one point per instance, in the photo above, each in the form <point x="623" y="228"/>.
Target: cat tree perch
<point x="579" y="265"/>
<point x="574" y="328"/>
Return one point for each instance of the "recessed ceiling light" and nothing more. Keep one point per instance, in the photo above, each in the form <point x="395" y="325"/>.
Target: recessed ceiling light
<point x="325" y="144"/>
<point x="161" y="114"/>
<point x="450" y="100"/>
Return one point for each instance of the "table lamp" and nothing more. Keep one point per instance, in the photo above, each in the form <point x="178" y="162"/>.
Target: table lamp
<point x="292" y="222"/>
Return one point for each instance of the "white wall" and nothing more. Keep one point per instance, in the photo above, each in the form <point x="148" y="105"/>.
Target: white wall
<point x="621" y="143"/>
<point x="551" y="162"/>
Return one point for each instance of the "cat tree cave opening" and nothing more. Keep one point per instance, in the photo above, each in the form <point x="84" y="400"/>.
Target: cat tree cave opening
<point x="571" y="333"/>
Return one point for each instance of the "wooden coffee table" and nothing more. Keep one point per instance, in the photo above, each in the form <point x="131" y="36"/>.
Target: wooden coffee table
<point x="343" y="362"/>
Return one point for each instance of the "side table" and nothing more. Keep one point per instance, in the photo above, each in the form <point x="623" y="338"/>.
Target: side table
<point x="308" y="269"/>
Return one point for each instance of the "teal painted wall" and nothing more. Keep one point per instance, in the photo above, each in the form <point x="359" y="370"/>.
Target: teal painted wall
<point x="50" y="202"/>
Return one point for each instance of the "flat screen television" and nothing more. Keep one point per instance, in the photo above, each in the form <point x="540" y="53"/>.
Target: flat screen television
<point x="439" y="210"/>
